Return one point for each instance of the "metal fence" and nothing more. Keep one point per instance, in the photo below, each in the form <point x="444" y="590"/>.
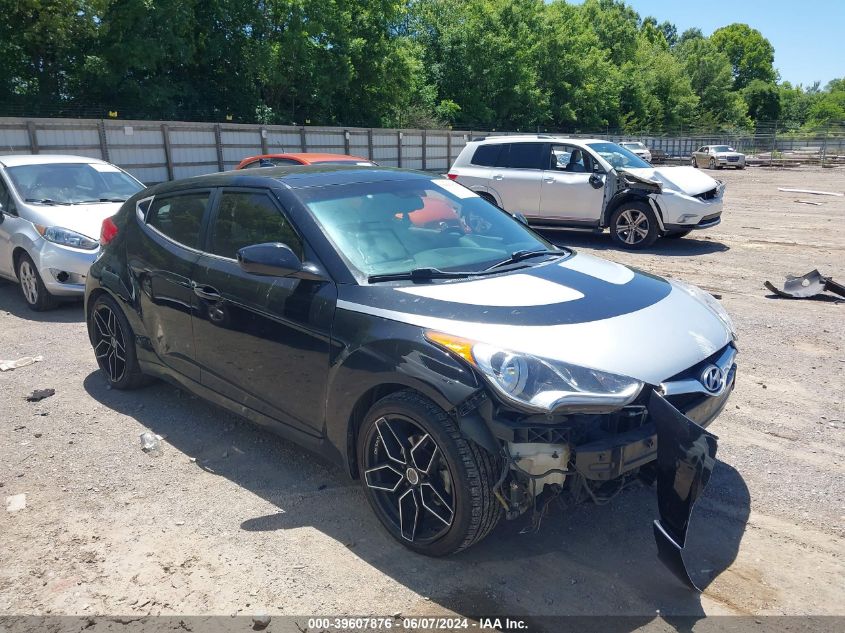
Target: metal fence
<point x="156" y="151"/>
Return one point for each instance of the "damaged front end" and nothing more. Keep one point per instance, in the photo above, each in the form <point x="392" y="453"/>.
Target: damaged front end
<point x="681" y="200"/>
<point x="660" y="438"/>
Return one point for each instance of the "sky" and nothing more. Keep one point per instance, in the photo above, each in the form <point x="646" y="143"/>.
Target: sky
<point x="807" y="36"/>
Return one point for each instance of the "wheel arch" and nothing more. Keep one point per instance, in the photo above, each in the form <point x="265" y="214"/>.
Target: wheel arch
<point x="630" y="195"/>
<point x="16" y="257"/>
<point x="365" y="375"/>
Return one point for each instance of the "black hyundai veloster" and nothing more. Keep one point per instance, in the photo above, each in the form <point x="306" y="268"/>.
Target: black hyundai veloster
<point x="458" y="363"/>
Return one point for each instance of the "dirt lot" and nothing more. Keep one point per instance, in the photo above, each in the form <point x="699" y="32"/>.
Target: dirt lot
<point x="231" y="519"/>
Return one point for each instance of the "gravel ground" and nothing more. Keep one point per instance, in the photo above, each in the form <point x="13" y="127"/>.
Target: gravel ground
<point x="230" y="519"/>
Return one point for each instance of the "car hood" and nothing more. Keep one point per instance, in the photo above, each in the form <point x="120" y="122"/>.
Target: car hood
<point x="82" y="218"/>
<point x="582" y="310"/>
<point x="688" y="180"/>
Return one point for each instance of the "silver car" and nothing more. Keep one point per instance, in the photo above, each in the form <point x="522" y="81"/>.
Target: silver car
<point x="638" y="149"/>
<point x="52" y="208"/>
<point x="717" y="156"/>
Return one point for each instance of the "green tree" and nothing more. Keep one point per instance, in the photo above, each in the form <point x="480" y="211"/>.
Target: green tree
<point x="829" y="106"/>
<point x="709" y="72"/>
<point x="43" y="46"/>
<point x="482" y="55"/>
<point x="576" y="72"/>
<point x="763" y="100"/>
<point x="751" y="55"/>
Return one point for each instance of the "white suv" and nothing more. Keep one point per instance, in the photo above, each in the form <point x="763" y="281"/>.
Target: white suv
<point x="589" y="184"/>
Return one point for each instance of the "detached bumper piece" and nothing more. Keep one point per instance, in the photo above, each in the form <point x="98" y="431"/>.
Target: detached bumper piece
<point x="806" y="286"/>
<point x="686" y="455"/>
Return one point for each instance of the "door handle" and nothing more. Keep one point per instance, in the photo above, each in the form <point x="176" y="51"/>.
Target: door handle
<point x="206" y="292"/>
<point x="549" y="179"/>
<point x="498" y="177"/>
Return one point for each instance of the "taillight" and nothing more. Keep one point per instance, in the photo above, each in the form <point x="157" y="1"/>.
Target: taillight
<point x="108" y="231"/>
<point x="452" y="176"/>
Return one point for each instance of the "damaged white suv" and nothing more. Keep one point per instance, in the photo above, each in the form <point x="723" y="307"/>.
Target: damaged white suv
<point x="589" y="184"/>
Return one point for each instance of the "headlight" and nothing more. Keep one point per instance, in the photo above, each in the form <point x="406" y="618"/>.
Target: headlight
<point x="66" y="237"/>
<point x="542" y="384"/>
<point x="710" y="301"/>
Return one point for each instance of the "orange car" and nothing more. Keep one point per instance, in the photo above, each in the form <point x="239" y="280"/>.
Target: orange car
<point x="305" y="158"/>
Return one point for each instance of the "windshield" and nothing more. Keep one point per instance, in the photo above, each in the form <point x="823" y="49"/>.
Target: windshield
<point x="617" y="155"/>
<point x="722" y="148"/>
<point x="73" y="183"/>
<point x="395" y="227"/>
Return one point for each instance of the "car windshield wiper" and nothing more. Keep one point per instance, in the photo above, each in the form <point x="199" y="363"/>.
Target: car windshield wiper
<point x="45" y="201"/>
<point x="101" y="200"/>
<point x="422" y="274"/>
<point x="518" y="256"/>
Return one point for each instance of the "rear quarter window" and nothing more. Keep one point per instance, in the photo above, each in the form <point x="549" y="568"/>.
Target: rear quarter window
<point x="179" y="217"/>
<point x="487" y="155"/>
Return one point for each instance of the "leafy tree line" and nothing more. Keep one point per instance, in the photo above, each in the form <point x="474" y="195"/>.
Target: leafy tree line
<point x="484" y="64"/>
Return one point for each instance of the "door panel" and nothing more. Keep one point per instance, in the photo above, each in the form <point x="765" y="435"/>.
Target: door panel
<point x="567" y="193"/>
<point x="261" y="341"/>
<point x="9" y="225"/>
<point x="516" y="181"/>
<point x="163" y="266"/>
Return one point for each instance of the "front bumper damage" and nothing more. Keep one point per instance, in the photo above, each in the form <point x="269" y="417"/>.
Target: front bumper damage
<point x="659" y="439"/>
<point x="680" y="456"/>
<point x="686" y="455"/>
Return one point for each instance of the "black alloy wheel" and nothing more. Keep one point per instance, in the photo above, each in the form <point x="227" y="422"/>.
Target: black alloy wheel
<point x="410" y="479"/>
<point x="429" y="486"/>
<point x="109" y="343"/>
<point x="114" y="344"/>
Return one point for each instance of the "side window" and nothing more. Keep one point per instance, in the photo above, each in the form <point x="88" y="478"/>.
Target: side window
<point x="487" y="155"/>
<point x="284" y="161"/>
<point x="245" y="218"/>
<point x="251" y="165"/>
<point x="526" y="156"/>
<point x="179" y="217"/>
<point x="570" y="158"/>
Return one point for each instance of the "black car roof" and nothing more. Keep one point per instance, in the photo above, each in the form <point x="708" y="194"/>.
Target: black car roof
<point x="292" y="176"/>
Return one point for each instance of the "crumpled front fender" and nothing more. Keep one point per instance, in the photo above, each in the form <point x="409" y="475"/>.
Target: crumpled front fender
<point x="686" y="455"/>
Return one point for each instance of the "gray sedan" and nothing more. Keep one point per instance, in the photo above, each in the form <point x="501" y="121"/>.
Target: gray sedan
<point x="717" y="156"/>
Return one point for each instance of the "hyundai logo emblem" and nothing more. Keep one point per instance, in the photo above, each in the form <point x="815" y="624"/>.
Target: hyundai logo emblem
<point x="712" y="379"/>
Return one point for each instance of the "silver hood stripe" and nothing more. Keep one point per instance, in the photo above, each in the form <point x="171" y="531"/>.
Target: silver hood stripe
<point x="651" y="344"/>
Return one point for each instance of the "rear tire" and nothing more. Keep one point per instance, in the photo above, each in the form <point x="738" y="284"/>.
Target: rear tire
<point x="114" y="344"/>
<point x="430" y="487"/>
<point x="633" y="226"/>
<point x="34" y="292"/>
<point x="694" y="162"/>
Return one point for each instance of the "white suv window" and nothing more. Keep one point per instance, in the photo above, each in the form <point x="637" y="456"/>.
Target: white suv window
<point x="522" y="155"/>
<point x="570" y="158"/>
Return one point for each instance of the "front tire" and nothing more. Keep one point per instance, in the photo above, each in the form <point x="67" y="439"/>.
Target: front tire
<point x="694" y="162"/>
<point x="34" y="292"/>
<point x="114" y="344"/>
<point x="633" y="226"/>
<point x="430" y="487"/>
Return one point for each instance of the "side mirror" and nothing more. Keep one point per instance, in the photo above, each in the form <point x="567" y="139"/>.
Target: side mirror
<point x="272" y="259"/>
<point x="519" y="216"/>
